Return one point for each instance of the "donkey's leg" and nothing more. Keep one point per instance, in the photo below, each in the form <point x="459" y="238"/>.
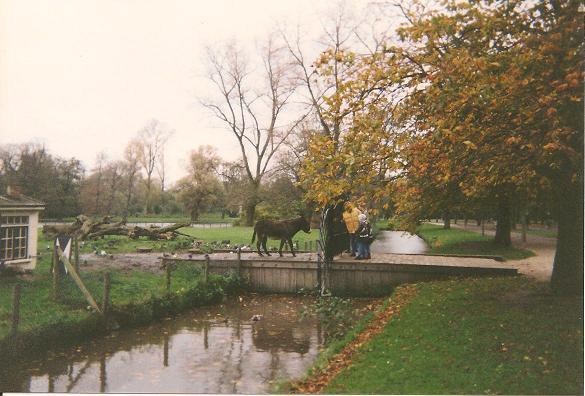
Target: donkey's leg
<point x="264" y="239"/>
<point x="280" y="249"/>
<point x="292" y="249"/>
<point x="258" y="242"/>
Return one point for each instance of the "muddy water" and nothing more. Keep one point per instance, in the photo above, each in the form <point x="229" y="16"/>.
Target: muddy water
<point x="219" y="349"/>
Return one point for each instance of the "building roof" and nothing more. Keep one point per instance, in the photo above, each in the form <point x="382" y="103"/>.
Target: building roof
<point x="20" y="201"/>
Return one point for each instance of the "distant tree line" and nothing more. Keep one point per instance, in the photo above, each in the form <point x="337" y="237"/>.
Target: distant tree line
<point x="136" y="184"/>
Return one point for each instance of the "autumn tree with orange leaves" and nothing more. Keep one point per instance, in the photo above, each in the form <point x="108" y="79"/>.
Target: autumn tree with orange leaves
<point x="480" y="100"/>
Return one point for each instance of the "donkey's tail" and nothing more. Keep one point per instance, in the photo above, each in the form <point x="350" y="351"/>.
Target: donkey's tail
<point x="253" y="236"/>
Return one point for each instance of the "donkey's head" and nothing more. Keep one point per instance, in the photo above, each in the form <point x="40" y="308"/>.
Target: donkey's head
<point x="305" y="224"/>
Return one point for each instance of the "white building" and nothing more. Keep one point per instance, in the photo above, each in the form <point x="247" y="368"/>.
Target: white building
<point x="19" y="219"/>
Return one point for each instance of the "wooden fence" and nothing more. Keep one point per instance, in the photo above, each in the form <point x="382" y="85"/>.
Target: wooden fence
<point x="280" y="275"/>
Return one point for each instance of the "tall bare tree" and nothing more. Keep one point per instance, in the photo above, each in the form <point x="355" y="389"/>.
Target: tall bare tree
<point x="255" y="117"/>
<point x="131" y="173"/>
<point x="100" y="164"/>
<point x="344" y="33"/>
<point x="113" y="172"/>
<point x="150" y="143"/>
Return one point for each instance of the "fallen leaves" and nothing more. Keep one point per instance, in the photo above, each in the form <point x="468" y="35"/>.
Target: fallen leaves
<point x="319" y="380"/>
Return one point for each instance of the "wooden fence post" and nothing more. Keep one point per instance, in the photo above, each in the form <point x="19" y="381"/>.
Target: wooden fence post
<point x="168" y="275"/>
<point x="311" y="245"/>
<point x="239" y="261"/>
<point x="15" y="311"/>
<point x="77" y="279"/>
<point x="305" y="246"/>
<point x="205" y="269"/>
<point x="106" y="299"/>
<point x="56" y="273"/>
<point x="76" y="256"/>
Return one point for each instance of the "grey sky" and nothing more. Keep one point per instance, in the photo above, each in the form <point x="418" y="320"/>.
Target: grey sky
<point x="84" y="76"/>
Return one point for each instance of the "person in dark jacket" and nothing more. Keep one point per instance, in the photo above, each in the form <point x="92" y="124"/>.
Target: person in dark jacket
<point x="364" y="238"/>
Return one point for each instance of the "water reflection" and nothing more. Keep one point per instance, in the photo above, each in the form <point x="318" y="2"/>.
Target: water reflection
<point x="211" y="350"/>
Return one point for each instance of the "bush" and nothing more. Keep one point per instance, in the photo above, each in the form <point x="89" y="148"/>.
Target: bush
<point x="264" y="213"/>
<point x="393" y="224"/>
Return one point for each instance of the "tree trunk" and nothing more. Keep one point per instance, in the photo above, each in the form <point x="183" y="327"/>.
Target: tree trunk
<point x="504" y="224"/>
<point x="567" y="275"/>
<point x="252" y="201"/>
<point x="250" y="212"/>
<point x="194" y="215"/>
<point x="447" y="221"/>
<point x="524" y="221"/>
<point x="147" y="207"/>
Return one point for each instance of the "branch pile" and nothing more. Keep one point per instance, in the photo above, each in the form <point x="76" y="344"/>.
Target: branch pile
<point x="86" y="228"/>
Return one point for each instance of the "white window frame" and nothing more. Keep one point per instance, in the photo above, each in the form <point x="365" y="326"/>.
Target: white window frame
<point x="14" y="234"/>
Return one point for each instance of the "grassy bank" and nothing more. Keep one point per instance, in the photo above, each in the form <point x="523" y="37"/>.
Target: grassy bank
<point x="500" y="335"/>
<point x="457" y="241"/>
<point x="136" y="297"/>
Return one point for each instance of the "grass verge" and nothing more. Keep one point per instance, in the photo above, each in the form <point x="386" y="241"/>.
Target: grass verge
<point x="474" y="336"/>
<point x="457" y="241"/>
<point x="331" y="350"/>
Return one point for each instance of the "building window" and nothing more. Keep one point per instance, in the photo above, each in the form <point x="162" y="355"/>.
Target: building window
<point x="13" y="237"/>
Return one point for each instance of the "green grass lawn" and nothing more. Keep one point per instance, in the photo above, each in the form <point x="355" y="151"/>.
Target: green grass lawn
<point x="474" y="336"/>
<point x="237" y="235"/>
<point x="543" y="233"/>
<point x="243" y="235"/>
<point x="458" y="241"/>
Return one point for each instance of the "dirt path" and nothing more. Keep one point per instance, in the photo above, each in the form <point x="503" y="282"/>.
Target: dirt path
<point x="538" y="267"/>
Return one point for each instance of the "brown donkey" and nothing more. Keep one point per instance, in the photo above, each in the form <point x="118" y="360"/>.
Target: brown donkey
<point x="283" y="230"/>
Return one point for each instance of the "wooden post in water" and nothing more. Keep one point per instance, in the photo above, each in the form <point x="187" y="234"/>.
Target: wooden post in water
<point x="166" y="350"/>
<point x="168" y="275"/>
<point x="205" y="269"/>
<point x="103" y="373"/>
<point x="106" y="299"/>
<point x="56" y="273"/>
<point x="15" y="312"/>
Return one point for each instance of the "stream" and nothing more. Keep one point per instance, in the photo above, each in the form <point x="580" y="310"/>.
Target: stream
<point x="244" y="345"/>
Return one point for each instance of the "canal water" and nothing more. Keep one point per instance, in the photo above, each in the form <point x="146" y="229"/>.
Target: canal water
<point x="241" y="346"/>
<point x="399" y="242"/>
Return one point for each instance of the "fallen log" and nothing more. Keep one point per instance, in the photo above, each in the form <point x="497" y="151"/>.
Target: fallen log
<point x="85" y="228"/>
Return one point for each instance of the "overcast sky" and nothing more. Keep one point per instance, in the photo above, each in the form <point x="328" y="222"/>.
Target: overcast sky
<point x="83" y="76"/>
